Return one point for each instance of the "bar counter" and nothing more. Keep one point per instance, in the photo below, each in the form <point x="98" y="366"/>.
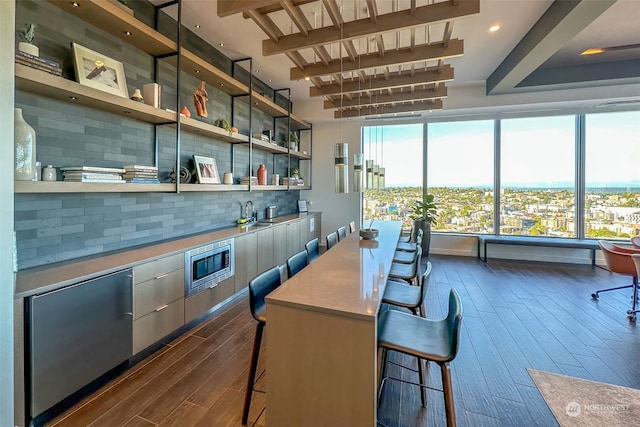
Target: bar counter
<point x="322" y="334"/>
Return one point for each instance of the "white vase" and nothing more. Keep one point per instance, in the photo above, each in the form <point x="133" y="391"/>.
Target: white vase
<point x="24" y="137"/>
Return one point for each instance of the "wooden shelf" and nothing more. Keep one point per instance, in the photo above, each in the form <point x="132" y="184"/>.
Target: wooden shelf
<point x="192" y="188"/>
<point x="213" y="76"/>
<point x="42" y="83"/>
<point x="33" y="187"/>
<point x="299" y="123"/>
<point x="206" y="129"/>
<point x="116" y="21"/>
<point x="266" y="105"/>
<point x="300" y="155"/>
<point x="268" y="147"/>
<point x="268" y="188"/>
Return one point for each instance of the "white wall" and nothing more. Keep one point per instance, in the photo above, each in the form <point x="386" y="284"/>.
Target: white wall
<point x="337" y="209"/>
<point x="7" y="283"/>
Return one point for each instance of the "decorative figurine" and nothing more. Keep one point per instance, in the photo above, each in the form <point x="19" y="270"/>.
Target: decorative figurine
<point x="200" y="97"/>
<point x="185" y="111"/>
<point x="137" y="96"/>
<point x="27" y="46"/>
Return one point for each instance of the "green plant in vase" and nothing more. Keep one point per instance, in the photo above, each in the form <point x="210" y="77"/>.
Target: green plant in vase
<point x="423" y="214"/>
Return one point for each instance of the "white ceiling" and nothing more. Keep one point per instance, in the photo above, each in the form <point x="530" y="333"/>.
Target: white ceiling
<point x="484" y="51"/>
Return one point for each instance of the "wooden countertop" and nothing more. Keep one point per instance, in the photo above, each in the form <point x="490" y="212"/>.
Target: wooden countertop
<point x="348" y="279"/>
<point x="54" y="276"/>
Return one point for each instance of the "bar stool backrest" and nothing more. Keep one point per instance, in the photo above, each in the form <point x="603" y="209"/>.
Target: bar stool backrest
<point x="454" y="322"/>
<point x="352" y="227"/>
<point x="332" y="240"/>
<point x="423" y="282"/>
<point x="342" y="233"/>
<point x="297" y="262"/>
<point x="313" y="249"/>
<point x="259" y="287"/>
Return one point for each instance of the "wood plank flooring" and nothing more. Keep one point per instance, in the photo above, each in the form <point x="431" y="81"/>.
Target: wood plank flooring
<point x="517" y="315"/>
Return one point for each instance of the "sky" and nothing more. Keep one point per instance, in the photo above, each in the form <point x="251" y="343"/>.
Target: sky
<point x="536" y="152"/>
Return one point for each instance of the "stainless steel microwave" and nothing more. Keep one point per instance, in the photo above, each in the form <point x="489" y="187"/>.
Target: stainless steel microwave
<point x="208" y="265"/>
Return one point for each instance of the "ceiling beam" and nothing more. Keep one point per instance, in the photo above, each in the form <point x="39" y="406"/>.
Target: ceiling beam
<point x="296" y="16"/>
<point x="231" y="7"/>
<point x="373" y="10"/>
<point x="394" y="57"/>
<point x="406" y="78"/>
<point x="334" y="12"/>
<point x="380" y="99"/>
<point x="562" y="21"/>
<point x="389" y="109"/>
<point x="430" y="14"/>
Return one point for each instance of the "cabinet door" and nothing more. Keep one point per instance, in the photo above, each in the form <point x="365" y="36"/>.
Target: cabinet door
<point x="265" y="250"/>
<point x="293" y="238"/>
<point x="280" y="244"/>
<point x="204" y="301"/>
<point x="246" y="260"/>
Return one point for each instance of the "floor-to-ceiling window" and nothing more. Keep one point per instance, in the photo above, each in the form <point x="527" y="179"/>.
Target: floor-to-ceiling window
<point x="612" y="175"/>
<point x="537" y="175"/>
<point x="395" y="151"/>
<point x="460" y="175"/>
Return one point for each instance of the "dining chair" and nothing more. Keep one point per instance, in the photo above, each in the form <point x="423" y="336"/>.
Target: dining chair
<point x="618" y="260"/>
<point x="430" y="340"/>
<point x="410" y="246"/>
<point x="297" y="262"/>
<point x="259" y="287"/>
<point x="313" y="249"/>
<point x="332" y="240"/>
<point x="352" y="227"/>
<point x="407" y="257"/>
<point x="342" y="233"/>
<point x="407" y="272"/>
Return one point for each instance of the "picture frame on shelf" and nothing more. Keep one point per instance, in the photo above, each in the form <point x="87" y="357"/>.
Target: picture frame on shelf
<point x="98" y="71"/>
<point x="206" y="170"/>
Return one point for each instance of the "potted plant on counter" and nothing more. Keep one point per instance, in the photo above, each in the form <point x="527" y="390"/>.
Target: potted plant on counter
<point x="423" y="214"/>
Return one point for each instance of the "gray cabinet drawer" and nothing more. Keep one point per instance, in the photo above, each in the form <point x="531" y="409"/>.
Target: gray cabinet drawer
<point x="152" y="294"/>
<point x="149" y="270"/>
<point x="157" y="324"/>
<point x="203" y="301"/>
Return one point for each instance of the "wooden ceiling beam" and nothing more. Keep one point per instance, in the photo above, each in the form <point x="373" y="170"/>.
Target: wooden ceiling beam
<point x="373" y="10"/>
<point x="380" y="44"/>
<point x="430" y="14"/>
<point x="296" y="16"/>
<point x="396" y="57"/>
<point x="403" y="79"/>
<point x="389" y="109"/>
<point x="232" y="7"/>
<point x="380" y="99"/>
<point x="266" y="24"/>
<point x="334" y="13"/>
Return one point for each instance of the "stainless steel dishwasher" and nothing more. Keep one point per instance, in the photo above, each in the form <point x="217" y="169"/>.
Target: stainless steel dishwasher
<point x="77" y="334"/>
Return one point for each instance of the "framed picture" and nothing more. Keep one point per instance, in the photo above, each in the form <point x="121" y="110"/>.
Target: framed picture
<point x="98" y="71"/>
<point x="206" y="169"/>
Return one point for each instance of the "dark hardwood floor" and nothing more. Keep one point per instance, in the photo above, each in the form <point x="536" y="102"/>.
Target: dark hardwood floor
<point x="517" y="315"/>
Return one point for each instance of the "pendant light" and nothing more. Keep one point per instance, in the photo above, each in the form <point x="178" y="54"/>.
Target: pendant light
<point x="341" y="149"/>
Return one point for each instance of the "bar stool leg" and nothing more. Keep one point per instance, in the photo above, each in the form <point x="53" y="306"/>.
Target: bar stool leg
<point x="423" y="390"/>
<point x="252" y="372"/>
<point x="448" y="395"/>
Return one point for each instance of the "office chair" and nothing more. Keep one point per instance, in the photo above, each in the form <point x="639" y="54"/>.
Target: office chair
<point x="618" y="260"/>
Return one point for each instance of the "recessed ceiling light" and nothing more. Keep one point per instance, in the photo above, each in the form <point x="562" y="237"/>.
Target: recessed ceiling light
<point x="221" y="44"/>
<point x="73" y="98"/>
<point x="494" y="28"/>
<point x="128" y="33"/>
<point x="197" y="25"/>
<point x="256" y="71"/>
<point x="307" y="78"/>
<point x="592" y="51"/>
<point x="75" y="4"/>
<point x="197" y="71"/>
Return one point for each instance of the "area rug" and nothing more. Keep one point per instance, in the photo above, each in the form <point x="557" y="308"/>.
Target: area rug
<point x="584" y="403"/>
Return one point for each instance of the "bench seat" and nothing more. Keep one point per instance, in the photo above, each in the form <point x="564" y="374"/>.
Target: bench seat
<point x="551" y="242"/>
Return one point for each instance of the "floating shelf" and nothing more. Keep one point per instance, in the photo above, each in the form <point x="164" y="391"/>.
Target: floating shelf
<point x="266" y="146"/>
<point x="300" y="155"/>
<point x="299" y="123"/>
<point x="42" y="83"/>
<point x="206" y="129"/>
<point x="34" y="187"/>
<point x="191" y="188"/>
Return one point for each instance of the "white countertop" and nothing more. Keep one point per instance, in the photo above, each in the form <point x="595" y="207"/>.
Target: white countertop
<point x="348" y="279"/>
<point x="50" y="277"/>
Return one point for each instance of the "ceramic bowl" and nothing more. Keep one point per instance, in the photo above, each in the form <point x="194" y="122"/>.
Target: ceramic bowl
<point x="369" y="233"/>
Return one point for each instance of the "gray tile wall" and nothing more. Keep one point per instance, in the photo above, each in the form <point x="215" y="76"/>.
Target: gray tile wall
<point x="58" y="227"/>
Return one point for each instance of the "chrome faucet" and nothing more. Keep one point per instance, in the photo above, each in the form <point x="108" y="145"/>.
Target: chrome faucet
<point x="247" y="211"/>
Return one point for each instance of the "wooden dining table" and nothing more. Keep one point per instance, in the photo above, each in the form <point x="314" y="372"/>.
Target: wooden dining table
<point x="321" y="335"/>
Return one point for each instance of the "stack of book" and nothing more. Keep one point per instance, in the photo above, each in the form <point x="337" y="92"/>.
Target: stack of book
<point x="51" y="67"/>
<point x="292" y="181"/>
<point x="93" y="174"/>
<point x="249" y="179"/>
<point x="137" y="174"/>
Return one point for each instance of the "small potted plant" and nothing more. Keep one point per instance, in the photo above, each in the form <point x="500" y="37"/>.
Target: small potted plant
<point x="27" y="35"/>
<point x="423" y="214"/>
<point x="293" y="141"/>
